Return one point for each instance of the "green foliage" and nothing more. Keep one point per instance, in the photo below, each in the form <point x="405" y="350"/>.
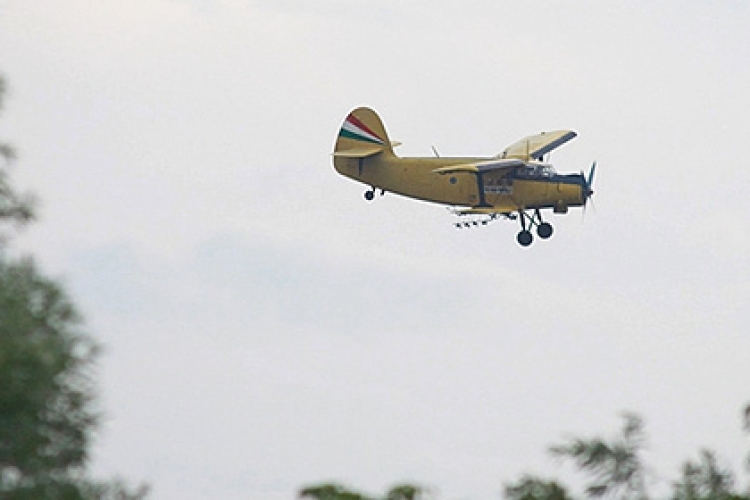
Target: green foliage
<point x="534" y="488"/>
<point x="330" y="491"/>
<point x="333" y="491"/>
<point x="46" y="403"/>
<point x="704" y="479"/>
<point x="15" y="208"/>
<point x="47" y="412"/>
<point x="615" y="466"/>
<point x="406" y="492"/>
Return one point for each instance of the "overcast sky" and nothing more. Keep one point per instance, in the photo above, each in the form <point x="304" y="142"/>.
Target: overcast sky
<point x="266" y="328"/>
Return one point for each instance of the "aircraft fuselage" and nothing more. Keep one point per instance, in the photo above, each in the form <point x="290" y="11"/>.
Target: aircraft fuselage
<point x="521" y="189"/>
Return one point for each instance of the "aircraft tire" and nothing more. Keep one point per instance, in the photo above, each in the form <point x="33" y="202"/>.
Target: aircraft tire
<point x="525" y="238"/>
<point x="369" y="195"/>
<point x="544" y="230"/>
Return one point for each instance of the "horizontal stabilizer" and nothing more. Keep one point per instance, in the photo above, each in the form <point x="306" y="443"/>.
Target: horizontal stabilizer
<point x="361" y="152"/>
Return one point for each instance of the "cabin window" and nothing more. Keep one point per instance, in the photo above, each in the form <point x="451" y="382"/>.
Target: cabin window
<point x="537" y="170"/>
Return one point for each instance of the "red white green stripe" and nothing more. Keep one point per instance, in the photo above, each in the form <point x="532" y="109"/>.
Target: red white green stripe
<point x="353" y="128"/>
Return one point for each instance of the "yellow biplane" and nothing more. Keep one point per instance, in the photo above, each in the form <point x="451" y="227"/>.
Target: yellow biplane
<point x="516" y="184"/>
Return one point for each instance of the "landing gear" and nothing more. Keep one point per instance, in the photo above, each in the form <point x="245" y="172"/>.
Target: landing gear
<point x="543" y="229"/>
<point x="370" y="195"/>
<point x="524" y="238"/>
<point x="528" y="221"/>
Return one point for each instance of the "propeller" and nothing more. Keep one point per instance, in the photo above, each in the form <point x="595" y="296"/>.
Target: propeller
<point x="588" y="188"/>
<point x="590" y="180"/>
<point x="588" y="183"/>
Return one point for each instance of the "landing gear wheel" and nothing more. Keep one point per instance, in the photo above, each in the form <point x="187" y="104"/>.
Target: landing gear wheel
<point x="524" y="238"/>
<point x="544" y="230"/>
<point x="370" y="195"/>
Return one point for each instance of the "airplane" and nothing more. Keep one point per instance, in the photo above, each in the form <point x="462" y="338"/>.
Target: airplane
<point x="516" y="184"/>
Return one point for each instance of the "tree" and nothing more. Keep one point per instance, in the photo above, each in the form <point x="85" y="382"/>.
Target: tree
<point x="45" y="407"/>
<point x="704" y="479"/>
<point x="47" y="394"/>
<point x="615" y="466"/>
<point x="406" y="492"/>
<point x="330" y="491"/>
<point x="534" y="488"/>
<point x="14" y="208"/>
<point x="334" y="491"/>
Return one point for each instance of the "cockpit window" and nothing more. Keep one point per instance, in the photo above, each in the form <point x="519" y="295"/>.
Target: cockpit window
<point x="537" y="170"/>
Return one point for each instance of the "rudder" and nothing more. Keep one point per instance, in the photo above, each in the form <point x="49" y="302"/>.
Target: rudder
<point x="361" y="135"/>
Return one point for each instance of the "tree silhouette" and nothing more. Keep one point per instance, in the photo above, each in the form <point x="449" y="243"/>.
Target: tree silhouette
<point x="334" y="491"/>
<point x="704" y="479"/>
<point x="615" y="466"/>
<point x="330" y="491"/>
<point x="534" y="488"/>
<point x="47" y="394"/>
<point x="406" y="492"/>
<point x="15" y="208"/>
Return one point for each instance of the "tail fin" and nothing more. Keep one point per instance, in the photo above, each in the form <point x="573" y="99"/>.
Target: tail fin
<point x="361" y="135"/>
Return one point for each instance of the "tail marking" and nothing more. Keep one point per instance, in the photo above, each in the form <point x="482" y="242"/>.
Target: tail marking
<point x="353" y="128"/>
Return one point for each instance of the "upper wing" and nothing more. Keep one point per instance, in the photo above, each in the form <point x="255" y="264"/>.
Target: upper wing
<point x="484" y="166"/>
<point x="534" y="147"/>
